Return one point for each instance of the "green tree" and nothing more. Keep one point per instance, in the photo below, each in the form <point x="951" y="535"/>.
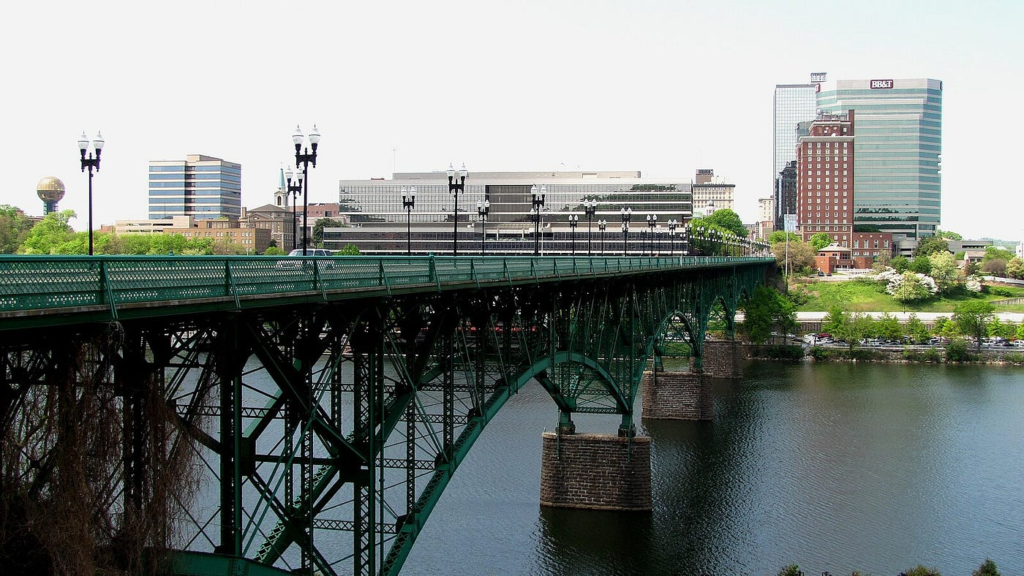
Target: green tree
<point x="54" y="235"/>
<point x="791" y="570"/>
<point x="917" y="330"/>
<point x="930" y="245"/>
<point x="948" y="235"/>
<point x="1015" y="268"/>
<point x="1020" y="331"/>
<point x="900" y="264"/>
<point x="349" y="250"/>
<point x="726" y="219"/>
<point x="780" y="236"/>
<point x="801" y="255"/>
<point x="14" y="228"/>
<point x="996" y="253"/>
<point x="768" y="311"/>
<point x="820" y="240"/>
<point x="987" y="568"/>
<point x="920" y="570"/>
<point x="273" y="251"/>
<point x="972" y="319"/>
<point x="921" y="265"/>
<point x="944" y="271"/>
<point x="318" y="229"/>
<point x="889" y="327"/>
<point x="939" y="325"/>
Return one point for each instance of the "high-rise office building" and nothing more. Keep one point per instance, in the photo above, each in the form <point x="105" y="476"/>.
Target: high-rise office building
<point x="898" y="150"/>
<point x="793" y="104"/>
<point x="199" y="186"/>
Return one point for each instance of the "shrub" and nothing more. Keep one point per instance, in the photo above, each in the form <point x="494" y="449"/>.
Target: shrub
<point x="819" y="353"/>
<point x="956" y="351"/>
<point x="987" y="568"/>
<point x="1014" y="357"/>
<point x="999" y="291"/>
<point x="862" y="354"/>
<point x="920" y="570"/>
<point x="781" y="352"/>
<point x="791" y="570"/>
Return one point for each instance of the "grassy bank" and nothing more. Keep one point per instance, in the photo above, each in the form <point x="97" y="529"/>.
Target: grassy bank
<point x="870" y="296"/>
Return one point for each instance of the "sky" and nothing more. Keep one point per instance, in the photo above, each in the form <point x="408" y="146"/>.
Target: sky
<point x="660" y="86"/>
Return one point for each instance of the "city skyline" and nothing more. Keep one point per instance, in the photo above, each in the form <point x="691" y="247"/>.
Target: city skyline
<point x="646" y="86"/>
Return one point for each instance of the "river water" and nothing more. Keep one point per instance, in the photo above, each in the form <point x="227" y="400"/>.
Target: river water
<point x="835" y="467"/>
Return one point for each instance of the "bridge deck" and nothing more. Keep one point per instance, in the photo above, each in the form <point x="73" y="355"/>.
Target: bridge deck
<point x="53" y="290"/>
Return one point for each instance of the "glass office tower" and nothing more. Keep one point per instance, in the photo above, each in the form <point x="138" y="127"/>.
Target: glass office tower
<point x="898" y="150"/>
<point x="200" y="186"/>
<point x="793" y="104"/>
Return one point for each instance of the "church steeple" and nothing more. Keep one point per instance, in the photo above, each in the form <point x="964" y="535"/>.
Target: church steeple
<point x="281" y="195"/>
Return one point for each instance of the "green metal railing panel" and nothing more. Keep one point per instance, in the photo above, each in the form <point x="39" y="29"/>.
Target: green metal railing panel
<point x="71" y="284"/>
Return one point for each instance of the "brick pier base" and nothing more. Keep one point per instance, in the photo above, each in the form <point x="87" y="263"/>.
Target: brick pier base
<point x="723" y="359"/>
<point x="677" y="396"/>
<point x="596" y="472"/>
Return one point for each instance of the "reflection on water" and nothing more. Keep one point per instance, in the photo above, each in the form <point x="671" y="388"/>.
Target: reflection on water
<point x="836" y="467"/>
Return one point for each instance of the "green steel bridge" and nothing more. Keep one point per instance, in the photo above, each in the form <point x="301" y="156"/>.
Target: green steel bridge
<point x="329" y="400"/>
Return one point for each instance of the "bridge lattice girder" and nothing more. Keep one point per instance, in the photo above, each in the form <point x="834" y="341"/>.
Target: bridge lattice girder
<point x="332" y="429"/>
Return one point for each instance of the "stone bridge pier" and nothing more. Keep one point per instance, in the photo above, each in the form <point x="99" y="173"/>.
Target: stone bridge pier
<point x="596" y="472"/>
<point x="723" y="359"/>
<point x="677" y="396"/>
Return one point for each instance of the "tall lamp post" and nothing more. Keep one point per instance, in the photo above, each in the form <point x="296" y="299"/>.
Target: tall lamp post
<point x="408" y="202"/>
<point x="538" y="204"/>
<point x="482" y="208"/>
<point x="672" y="235"/>
<point x="652" y="223"/>
<point x="574" y="220"/>
<point x="303" y="158"/>
<point x="589" y="208"/>
<point x="90" y="162"/>
<point x="627" y="214"/>
<point x="294" y="190"/>
<point x="602" y="225"/>
<point x="454" y="188"/>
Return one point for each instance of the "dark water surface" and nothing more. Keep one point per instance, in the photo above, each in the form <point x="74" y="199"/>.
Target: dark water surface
<point x="835" y="467"/>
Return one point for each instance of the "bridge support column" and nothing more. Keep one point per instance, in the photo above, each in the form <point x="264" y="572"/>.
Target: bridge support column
<point x="677" y="396"/>
<point x="596" y="472"/>
<point x="723" y="359"/>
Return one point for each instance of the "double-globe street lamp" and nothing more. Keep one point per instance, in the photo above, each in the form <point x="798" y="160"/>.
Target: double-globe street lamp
<point x="627" y="214"/>
<point x="652" y="223"/>
<point x="537" y="196"/>
<point x="303" y="158"/>
<point x="672" y="223"/>
<point x="294" y="190"/>
<point x="454" y="188"/>
<point x="602" y="225"/>
<point x="408" y="202"/>
<point x="574" y="221"/>
<point x="482" y="209"/>
<point x="589" y="208"/>
<point x="90" y="162"/>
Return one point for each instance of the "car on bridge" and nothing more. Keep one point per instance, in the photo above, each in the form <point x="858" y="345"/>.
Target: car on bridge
<point x="307" y="265"/>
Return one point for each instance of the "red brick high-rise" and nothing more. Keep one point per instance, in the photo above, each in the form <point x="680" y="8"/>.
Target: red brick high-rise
<point x="825" y="178"/>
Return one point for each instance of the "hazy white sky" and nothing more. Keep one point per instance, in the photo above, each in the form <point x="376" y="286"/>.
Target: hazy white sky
<point x="663" y="87"/>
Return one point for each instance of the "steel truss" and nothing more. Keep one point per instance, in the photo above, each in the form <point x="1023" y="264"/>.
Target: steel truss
<point x="331" y="430"/>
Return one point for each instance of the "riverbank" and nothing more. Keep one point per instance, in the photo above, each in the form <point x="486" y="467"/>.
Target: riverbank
<point x="909" y="354"/>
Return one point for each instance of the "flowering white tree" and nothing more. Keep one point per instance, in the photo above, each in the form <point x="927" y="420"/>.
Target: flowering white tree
<point x="909" y="286"/>
<point x="973" y="284"/>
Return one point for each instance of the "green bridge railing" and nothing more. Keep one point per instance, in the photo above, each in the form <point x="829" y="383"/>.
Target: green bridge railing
<point x="54" y="285"/>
